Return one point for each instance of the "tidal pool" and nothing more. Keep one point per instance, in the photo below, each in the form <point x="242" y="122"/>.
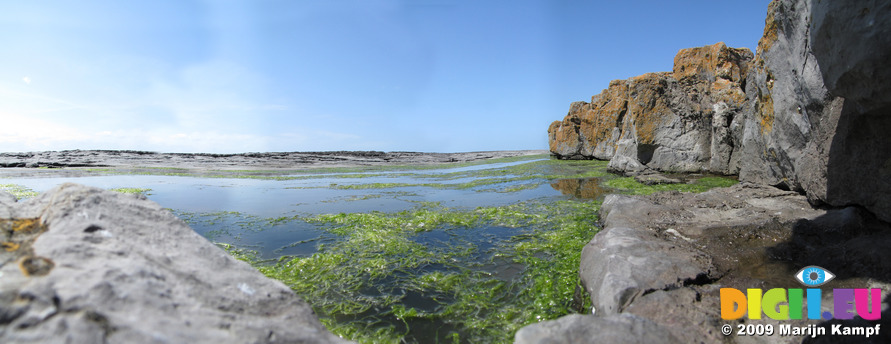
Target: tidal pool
<point x="449" y="253"/>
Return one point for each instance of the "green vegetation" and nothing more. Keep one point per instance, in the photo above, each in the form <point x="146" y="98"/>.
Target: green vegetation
<point x="628" y="185"/>
<point x="507" y="179"/>
<point x="18" y="191"/>
<point x="142" y="191"/>
<point x="227" y="223"/>
<point x="241" y="254"/>
<point x="362" y="283"/>
<point x="306" y="173"/>
<point x="454" y="274"/>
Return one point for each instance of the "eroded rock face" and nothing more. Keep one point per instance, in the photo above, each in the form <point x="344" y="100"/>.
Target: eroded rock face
<point x="670" y="121"/>
<point x="810" y="112"/>
<point x="790" y="119"/>
<point x="819" y="105"/>
<point x="85" y="265"/>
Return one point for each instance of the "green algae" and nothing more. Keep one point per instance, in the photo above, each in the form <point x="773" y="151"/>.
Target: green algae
<point x="18" y="191"/>
<point x="230" y="224"/>
<point x="241" y="254"/>
<point x="303" y="173"/>
<point x="507" y="179"/>
<point x="367" y="280"/>
<point x="533" y="170"/>
<point x="140" y="191"/>
<point x="627" y="185"/>
<point x="434" y="273"/>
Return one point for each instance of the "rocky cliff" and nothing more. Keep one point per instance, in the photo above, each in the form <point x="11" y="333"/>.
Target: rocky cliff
<point x="808" y="112"/>
<point x="671" y="121"/>
<point x="819" y="106"/>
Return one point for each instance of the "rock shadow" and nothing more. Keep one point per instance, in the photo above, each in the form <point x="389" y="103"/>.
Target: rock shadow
<point x="853" y="244"/>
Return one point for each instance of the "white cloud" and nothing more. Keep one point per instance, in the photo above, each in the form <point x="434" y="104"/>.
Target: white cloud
<point x="22" y="133"/>
<point x="216" y="106"/>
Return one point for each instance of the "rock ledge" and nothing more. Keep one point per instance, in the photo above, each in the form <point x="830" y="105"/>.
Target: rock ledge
<point x="85" y="265"/>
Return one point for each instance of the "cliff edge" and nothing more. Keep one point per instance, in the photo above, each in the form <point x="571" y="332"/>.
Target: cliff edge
<point x="808" y="112"/>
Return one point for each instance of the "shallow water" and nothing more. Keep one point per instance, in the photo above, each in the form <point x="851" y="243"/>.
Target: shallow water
<point x="316" y="194"/>
<point x="430" y="254"/>
<point x="274" y="219"/>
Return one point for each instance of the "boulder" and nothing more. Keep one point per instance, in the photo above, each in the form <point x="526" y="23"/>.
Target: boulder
<point x="623" y="263"/>
<point x="85" y="265"/>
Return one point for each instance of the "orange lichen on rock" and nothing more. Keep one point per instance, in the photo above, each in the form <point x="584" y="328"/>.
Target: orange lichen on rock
<point x="728" y="92"/>
<point x="16" y="238"/>
<point x="28" y="225"/>
<point x="605" y="112"/>
<point x="765" y="111"/>
<point x="648" y="107"/>
<point x="9" y="246"/>
<point x="715" y="61"/>
<point x="36" y="266"/>
<point x="642" y="107"/>
<point x="771" y="28"/>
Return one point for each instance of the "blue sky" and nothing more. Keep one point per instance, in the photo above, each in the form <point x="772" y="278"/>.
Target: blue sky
<point x="248" y="76"/>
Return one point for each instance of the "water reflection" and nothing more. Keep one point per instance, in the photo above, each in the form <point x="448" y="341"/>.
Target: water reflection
<point x="588" y="188"/>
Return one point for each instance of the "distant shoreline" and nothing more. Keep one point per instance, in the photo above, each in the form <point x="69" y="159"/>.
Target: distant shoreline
<point x="267" y="160"/>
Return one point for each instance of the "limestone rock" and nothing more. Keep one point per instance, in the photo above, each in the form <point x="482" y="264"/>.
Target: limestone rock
<point x="577" y="328"/>
<point x="670" y="121"/>
<point x="94" y="266"/>
<point x="6" y="200"/>
<point x="809" y="112"/>
<point x="819" y="105"/>
<point x="851" y="42"/>
<point x="623" y="263"/>
<point x="664" y="258"/>
<point x="656" y="178"/>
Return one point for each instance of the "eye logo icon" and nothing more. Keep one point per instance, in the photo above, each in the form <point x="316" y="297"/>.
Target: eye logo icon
<point x="814" y="276"/>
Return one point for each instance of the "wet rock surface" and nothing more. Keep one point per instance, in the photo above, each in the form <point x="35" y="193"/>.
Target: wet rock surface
<point x="270" y="160"/>
<point x="84" y="265"/>
<point x="664" y="257"/>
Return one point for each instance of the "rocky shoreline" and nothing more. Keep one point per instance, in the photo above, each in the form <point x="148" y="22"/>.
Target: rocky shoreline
<point x="655" y="270"/>
<point x="802" y="122"/>
<point x="251" y="161"/>
<point x="808" y="111"/>
<point x="86" y="265"/>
